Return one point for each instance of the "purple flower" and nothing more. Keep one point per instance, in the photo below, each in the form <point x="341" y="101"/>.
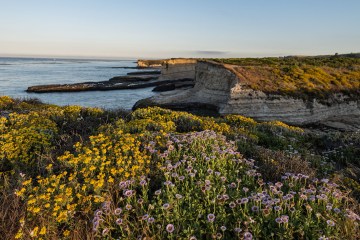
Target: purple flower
<point x="151" y="220"/>
<point x="248" y="236"/>
<point x="192" y="238"/>
<point x="278" y="220"/>
<point x="330" y="223"/>
<point x="122" y="185"/>
<point x="285" y="218"/>
<point x="170" y="228"/>
<point x="237" y="230"/>
<point x="166" y="206"/>
<point x="143" y="182"/>
<point x="119" y="221"/>
<point x="255" y="208"/>
<point x="211" y="217"/>
<point x="277" y="208"/>
<point x="158" y="192"/>
<point x="98" y="213"/>
<point x="178" y="196"/>
<point x="181" y="178"/>
<point x="244" y="200"/>
<point x="117" y="211"/>
<point x="128" y="207"/>
<point x="245" y="189"/>
<point x="145" y="217"/>
<point x="167" y="183"/>
<point x="128" y="193"/>
<point x="232" y="185"/>
<point x="232" y="205"/>
<point x="336" y="210"/>
<point x="223" y="228"/>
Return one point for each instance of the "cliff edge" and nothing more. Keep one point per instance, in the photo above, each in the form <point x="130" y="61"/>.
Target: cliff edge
<point x="236" y="89"/>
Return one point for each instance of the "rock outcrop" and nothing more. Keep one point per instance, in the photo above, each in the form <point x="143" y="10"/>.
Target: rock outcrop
<point x="178" y="68"/>
<point x="219" y="87"/>
<point x="143" y="63"/>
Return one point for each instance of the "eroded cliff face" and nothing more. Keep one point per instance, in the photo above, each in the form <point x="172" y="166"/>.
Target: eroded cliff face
<point x="178" y="68"/>
<point x="220" y="86"/>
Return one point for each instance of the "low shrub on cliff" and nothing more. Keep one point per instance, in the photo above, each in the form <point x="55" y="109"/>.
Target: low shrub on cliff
<point x="303" y="77"/>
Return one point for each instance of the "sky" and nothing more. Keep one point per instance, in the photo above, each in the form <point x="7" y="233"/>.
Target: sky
<point x="184" y="28"/>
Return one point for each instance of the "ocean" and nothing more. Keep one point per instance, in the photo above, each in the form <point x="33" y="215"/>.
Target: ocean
<point x="17" y="74"/>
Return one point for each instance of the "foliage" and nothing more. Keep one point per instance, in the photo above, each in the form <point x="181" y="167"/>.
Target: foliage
<point x="305" y="77"/>
<point x="61" y="168"/>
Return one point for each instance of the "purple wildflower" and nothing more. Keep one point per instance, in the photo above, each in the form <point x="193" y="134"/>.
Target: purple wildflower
<point x="211" y="217"/>
<point x="119" y="221"/>
<point x="117" y="211"/>
<point x="255" y="208"/>
<point x="237" y="230"/>
<point x="248" y="236"/>
<point x="279" y="220"/>
<point x="330" y="223"/>
<point x="170" y="228"/>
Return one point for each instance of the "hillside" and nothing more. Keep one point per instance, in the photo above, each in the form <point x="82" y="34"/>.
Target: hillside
<point x="305" y="77"/>
<point x="86" y="173"/>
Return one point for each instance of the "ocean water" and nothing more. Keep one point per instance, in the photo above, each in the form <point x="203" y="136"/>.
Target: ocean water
<point x="17" y="74"/>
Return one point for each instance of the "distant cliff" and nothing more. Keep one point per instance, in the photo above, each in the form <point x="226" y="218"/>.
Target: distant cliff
<point x="142" y="63"/>
<point x="228" y="89"/>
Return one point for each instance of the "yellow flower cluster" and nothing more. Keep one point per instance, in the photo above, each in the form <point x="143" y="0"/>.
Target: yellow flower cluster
<point x="284" y="126"/>
<point x="5" y="101"/>
<point x="155" y="119"/>
<point x="92" y="170"/>
<point x="24" y="137"/>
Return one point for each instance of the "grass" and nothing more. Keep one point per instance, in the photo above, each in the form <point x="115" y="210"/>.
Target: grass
<point x="86" y="173"/>
<point x="303" y="77"/>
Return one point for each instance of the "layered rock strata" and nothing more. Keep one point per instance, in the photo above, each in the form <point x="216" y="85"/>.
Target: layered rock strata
<point x="221" y="88"/>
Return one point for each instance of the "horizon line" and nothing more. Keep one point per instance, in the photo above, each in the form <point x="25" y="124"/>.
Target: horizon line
<point x="137" y="58"/>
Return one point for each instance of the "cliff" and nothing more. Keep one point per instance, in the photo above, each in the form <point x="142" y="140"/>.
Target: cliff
<point x="143" y="63"/>
<point x="227" y="89"/>
<point x="178" y="68"/>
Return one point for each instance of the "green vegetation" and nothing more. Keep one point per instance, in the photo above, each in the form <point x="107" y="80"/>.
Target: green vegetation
<point x="305" y="77"/>
<point x="85" y="173"/>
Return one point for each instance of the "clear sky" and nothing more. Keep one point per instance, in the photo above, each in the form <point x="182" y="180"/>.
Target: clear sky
<point x="183" y="28"/>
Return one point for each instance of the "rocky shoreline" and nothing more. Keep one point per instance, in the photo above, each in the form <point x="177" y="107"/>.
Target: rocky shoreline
<point x="216" y="88"/>
<point x="133" y="80"/>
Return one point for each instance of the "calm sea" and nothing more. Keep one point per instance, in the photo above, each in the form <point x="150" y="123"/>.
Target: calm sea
<point x="16" y="74"/>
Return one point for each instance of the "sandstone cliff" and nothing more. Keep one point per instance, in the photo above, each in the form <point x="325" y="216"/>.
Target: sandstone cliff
<point x="221" y="87"/>
<point x="178" y="68"/>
